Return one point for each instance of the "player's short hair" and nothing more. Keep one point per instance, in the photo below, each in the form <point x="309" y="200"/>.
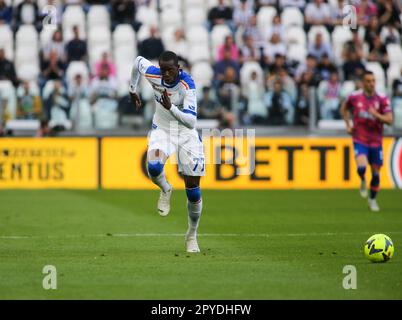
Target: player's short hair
<point x="367" y="72"/>
<point x="169" y="56"/>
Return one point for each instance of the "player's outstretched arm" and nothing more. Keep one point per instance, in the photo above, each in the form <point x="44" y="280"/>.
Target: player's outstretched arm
<point x="140" y="66"/>
<point x="346" y="117"/>
<point x="386" y="118"/>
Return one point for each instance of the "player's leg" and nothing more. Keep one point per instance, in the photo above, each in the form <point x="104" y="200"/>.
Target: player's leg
<point x="194" y="209"/>
<point x="375" y="160"/>
<point x="361" y="156"/>
<point x="156" y="161"/>
<point x="192" y="165"/>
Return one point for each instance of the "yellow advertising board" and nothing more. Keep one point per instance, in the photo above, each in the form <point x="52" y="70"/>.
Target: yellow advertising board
<point x="268" y="163"/>
<point x="49" y="163"/>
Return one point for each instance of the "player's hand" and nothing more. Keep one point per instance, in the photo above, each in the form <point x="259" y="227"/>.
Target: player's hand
<point x="136" y="100"/>
<point x="373" y="112"/>
<point x="349" y="129"/>
<point x="166" y="100"/>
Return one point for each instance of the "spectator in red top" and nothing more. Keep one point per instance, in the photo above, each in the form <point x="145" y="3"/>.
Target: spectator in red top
<point x="365" y="9"/>
<point x="105" y="61"/>
<point x="228" y="45"/>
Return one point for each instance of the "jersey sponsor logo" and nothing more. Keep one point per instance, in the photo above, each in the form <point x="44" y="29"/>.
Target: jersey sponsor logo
<point x="396" y="163"/>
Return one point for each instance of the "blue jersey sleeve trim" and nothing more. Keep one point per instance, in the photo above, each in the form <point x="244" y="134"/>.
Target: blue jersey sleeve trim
<point x="153" y="70"/>
<point x="190" y="112"/>
<point x="188" y="80"/>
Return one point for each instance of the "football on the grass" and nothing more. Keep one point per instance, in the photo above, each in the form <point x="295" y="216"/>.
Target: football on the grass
<point x="379" y="248"/>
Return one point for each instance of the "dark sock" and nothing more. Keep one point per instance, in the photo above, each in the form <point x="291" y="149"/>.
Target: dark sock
<point x="361" y="172"/>
<point x="374" y="185"/>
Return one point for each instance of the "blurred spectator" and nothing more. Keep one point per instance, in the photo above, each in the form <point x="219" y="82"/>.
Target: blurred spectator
<point x="353" y="67"/>
<point x="76" y="48"/>
<point x="353" y="46"/>
<point x="220" y="67"/>
<point x="29" y="105"/>
<point x="309" y="67"/>
<point x="274" y="47"/>
<point x="57" y="104"/>
<point x="365" y="9"/>
<point x="27" y="12"/>
<point x="228" y="90"/>
<point x="317" y="13"/>
<point x="372" y="30"/>
<point x="249" y="51"/>
<point x="123" y="12"/>
<point x="302" y="105"/>
<point x="279" y="103"/>
<point x="287" y="82"/>
<point x="6" y="13"/>
<point x="292" y="3"/>
<point x="52" y="69"/>
<point x="105" y="61"/>
<point x="389" y="34"/>
<point x="254" y="93"/>
<point x="337" y="14"/>
<point x="242" y="14"/>
<point x="378" y="53"/>
<point x="103" y="97"/>
<point x="320" y="48"/>
<point x="78" y="93"/>
<point x="278" y="64"/>
<point x="220" y="14"/>
<point x="179" y="44"/>
<point x="3" y="106"/>
<point x="329" y="93"/>
<point x="326" y="67"/>
<point x="152" y="47"/>
<point x="228" y="45"/>
<point x="208" y="108"/>
<point x="389" y="13"/>
<point x="276" y="27"/>
<point x="255" y="32"/>
<point x="397" y="91"/>
<point x="55" y="44"/>
<point x="7" y="71"/>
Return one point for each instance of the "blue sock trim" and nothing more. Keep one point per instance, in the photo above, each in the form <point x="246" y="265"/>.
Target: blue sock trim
<point x="193" y="194"/>
<point x="155" y="168"/>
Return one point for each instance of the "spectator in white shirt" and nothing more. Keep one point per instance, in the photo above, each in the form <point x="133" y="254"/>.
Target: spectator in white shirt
<point x="317" y="13"/>
<point x="320" y="48"/>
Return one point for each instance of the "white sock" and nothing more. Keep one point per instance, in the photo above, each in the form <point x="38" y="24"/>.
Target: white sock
<point x="194" y="214"/>
<point x="161" y="182"/>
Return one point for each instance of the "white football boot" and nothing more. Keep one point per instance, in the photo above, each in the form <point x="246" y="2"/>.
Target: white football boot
<point x="164" y="202"/>
<point x="363" y="189"/>
<point x="191" y="242"/>
<point x="373" y="205"/>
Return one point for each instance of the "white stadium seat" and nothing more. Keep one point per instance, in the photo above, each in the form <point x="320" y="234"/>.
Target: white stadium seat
<point x="200" y="52"/>
<point x="218" y="34"/>
<point x="194" y="3"/>
<point x="77" y="67"/>
<point x="264" y="17"/>
<point x="394" y="51"/>
<point x="202" y="74"/>
<point x="73" y="15"/>
<point x="8" y="93"/>
<point x="171" y="17"/>
<point x="296" y="35"/>
<point x="98" y="16"/>
<point x="379" y="74"/>
<point x="197" y="34"/>
<point x="7" y="41"/>
<point x="195" y="16"/>
<point x="45" y="37"/>
<point x="124" y="35"/>
<point x="143" y="33"/>
<point x="296" y="52"/>
<point x="147" y="16"/>
<point x="318" y="29"/>
<point x="27" y="35"/>
<point x="394" y="71"/>
<point x="340" y="35"/>
<point x="28" y="71"/>
<point x="170" y="4"/>
<point x="292" y="16"/>
<point x="246" y="70"/>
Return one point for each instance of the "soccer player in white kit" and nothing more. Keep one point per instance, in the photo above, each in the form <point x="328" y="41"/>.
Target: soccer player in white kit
<point x="173" y="130"/>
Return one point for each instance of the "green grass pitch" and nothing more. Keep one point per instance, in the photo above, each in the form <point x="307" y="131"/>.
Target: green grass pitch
<point x="255" y="245"/>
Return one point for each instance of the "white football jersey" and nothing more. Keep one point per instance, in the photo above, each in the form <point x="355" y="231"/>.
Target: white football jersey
<point x="183" y="114"/>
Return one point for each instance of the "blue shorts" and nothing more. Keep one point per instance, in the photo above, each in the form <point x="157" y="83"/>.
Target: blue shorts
<point x="373" y="154"/>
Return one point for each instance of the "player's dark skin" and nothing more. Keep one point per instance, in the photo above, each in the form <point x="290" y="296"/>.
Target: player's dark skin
<point x="170" y="72"/>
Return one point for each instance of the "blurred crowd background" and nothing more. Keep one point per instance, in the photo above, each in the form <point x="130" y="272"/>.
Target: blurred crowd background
<point x="65" y="65"/>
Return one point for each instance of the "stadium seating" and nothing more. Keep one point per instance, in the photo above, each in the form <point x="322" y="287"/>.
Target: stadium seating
<point x="73" y="15"/>
<point x="7" y="41"/>
<point x="340" y="35"/>
<point x="292" y="17"/>
<point x="264" y="17"/>
<point x="218" y="34"/>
